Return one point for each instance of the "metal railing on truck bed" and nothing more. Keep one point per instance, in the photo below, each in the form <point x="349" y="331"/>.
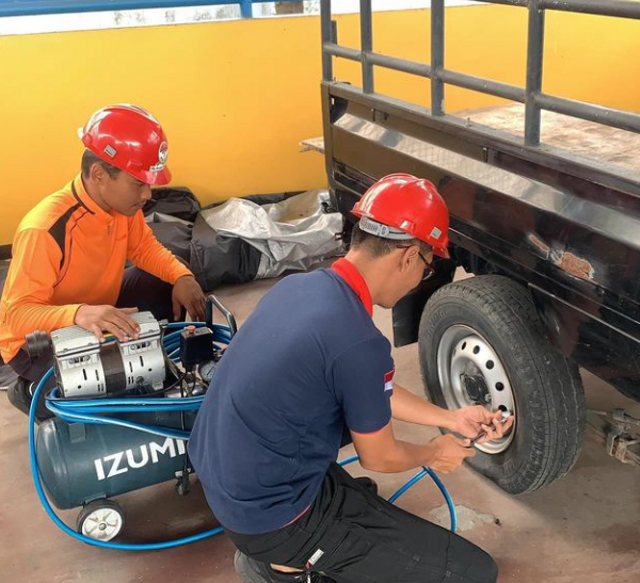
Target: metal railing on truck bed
<point x="531" y="95"/>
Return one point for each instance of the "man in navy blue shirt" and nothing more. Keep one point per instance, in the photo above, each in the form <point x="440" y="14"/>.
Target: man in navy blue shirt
<point x="308" y="372"/>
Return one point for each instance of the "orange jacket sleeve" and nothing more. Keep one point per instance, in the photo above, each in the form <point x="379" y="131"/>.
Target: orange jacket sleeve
<point x="29" y="287"/>
<point x="147" y="253"/>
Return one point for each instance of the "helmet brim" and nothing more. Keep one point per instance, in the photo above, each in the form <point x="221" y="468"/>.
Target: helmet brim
<point x="442" y="252"/>
<point x="159" y="178"/>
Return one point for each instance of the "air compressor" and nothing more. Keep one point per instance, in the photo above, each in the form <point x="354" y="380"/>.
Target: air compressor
<point x="123" y="412"/>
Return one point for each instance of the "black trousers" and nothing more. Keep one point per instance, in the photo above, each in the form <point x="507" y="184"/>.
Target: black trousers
<point x="358" y="537"/>
<point x="139" y="290"/>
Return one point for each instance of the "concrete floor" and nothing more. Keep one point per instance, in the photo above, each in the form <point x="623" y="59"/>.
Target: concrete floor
<point x="583" y="529"/>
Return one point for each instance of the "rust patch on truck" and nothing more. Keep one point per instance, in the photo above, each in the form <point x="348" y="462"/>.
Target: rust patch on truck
<point x="574" y="265"/>
<point x="569" y="262"/>
<point x="539" y="244"/>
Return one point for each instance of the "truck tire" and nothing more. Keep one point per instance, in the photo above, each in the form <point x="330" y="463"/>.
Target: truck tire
<point x="481" y="343"/>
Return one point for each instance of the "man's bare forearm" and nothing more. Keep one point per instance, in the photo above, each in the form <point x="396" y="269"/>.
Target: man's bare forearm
<point x="404" y="456"/>
<point x="405" y="406"/>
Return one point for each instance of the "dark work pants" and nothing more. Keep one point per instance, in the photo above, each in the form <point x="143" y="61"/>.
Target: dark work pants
<point x="139" y="290"/>
<point x="361" y="538"/>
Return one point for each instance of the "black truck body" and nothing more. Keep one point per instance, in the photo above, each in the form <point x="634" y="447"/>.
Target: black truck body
<point x="564" y="228"/>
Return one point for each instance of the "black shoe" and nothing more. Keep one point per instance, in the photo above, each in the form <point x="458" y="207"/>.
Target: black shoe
<point x="368" y="484"/>
<point x="7" y="376"/>
<point x="252" y="571"/>
<point x="19" y="395"/>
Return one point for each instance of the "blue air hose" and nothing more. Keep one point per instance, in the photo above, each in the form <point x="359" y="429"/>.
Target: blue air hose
<point x="425" y="471"/>
<point x="90" y="411"/>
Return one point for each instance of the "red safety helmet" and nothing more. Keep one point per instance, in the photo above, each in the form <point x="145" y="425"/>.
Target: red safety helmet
<point x="401" y="207"/>
<point x="129" y="138"/>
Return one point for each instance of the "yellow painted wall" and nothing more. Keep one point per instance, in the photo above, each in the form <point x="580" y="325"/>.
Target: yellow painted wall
<point x="237" y="97"/>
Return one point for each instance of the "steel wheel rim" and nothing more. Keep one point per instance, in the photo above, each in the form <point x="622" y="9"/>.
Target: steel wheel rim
<point x="465" y="359"/>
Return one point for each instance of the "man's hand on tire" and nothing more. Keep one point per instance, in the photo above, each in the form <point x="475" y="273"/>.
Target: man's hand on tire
<point x="475" y="420"/>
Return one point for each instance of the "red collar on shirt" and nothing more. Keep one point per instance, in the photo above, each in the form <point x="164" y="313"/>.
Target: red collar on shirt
<point x="349" y="272"/>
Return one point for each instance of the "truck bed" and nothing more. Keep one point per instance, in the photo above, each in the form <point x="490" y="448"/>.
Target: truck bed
<point x="602" y="143"/>
<point x="585" y="138"/>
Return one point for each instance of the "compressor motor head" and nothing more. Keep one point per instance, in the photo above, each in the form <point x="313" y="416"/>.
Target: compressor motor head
<point x="86" y="368"/>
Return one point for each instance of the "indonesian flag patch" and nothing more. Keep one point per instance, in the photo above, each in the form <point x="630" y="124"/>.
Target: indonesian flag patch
<point x="388" y="380"/>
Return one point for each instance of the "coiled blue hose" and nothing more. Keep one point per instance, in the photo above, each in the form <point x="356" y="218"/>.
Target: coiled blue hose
<point x="90" y="410"/>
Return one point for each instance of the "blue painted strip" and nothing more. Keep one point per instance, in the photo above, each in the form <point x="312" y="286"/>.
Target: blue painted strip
<point x="41" y="7"/>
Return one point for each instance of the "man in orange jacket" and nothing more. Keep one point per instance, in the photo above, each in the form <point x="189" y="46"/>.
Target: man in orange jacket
<point x="70" y="250"/>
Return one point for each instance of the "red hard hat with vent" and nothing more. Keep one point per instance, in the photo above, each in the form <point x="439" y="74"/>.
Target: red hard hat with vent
<point x="401" y="207"/>
<point x="131" y="139"/>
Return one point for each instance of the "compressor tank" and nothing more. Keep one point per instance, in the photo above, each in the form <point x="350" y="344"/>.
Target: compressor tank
<point x="79" y="463"/>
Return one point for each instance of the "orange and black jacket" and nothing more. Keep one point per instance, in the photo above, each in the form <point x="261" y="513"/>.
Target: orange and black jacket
<point x="68" y="252"/>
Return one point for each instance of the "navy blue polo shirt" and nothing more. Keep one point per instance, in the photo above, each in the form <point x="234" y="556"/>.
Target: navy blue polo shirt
<point x="307" y="362"/>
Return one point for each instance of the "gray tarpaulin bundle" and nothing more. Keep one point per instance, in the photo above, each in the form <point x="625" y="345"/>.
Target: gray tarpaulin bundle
<point x="245" y="238"/>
